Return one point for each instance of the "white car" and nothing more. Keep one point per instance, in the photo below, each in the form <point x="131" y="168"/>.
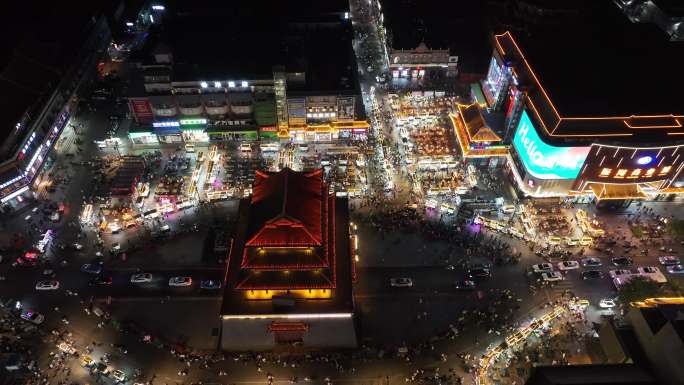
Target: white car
<point x="542" y="268"/>
<point x="606" y="303"/>
<point x="552" y="276"/>
<point x="77" y="246"/>
<point x="620" y="273"/>
<point x="32" y="317"/>
<point x="653" y="273"/>
<point x="180" y="281"/>
<point x="401" y="282"/>
<point x="47" y="285"/>
<point x="119" y="375"/>
<point x="141" y="278"/>
<point x="568" y="265"/>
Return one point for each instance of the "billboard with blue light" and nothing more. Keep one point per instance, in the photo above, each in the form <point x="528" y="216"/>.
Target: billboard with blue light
<point x="542" y="160"/>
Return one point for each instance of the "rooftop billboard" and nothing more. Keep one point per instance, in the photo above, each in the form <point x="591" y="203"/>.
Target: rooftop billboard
<point x="542" y="160"/>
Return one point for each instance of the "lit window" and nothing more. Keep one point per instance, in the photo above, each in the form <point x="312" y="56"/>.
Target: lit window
<point x="635" y="173"/>
<point x="204" y="84"/>
<point x="621" y="173"/>
<point x="650" y="172"/>
<point x="605" y="172"/>
<point x="665" y="170"/>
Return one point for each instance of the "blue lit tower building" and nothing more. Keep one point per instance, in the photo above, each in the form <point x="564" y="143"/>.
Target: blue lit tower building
<point x="591" y="107"/>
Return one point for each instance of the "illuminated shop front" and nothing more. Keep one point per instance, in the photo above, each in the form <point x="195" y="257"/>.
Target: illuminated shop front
<point x="143" y="135"/>
<point x="268" y="132"/>
<point x="194" y="130"/>
<point x="168" y="131"/>
<point x="229" y="130"/>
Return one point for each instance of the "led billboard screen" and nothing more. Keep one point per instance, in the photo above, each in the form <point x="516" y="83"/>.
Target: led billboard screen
<point x="542" y="160"/>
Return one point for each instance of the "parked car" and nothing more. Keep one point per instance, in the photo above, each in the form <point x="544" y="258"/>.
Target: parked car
<point x="592" y="274"/>
<point x="401" y="282"/>
<point x="622" y="261"/>
<point x="619" y="273"/>
<point x="47" y="285"/>
<point x="91" y="268"/>
<point x="591" y="262"/>
<point x="180" y="281"/>
<point x="552" y="276"/>
<point x="675" y="269"/>
<point x="568" y="265"/>
<point x="141" y="278"/>
<point x="542" y="268"/>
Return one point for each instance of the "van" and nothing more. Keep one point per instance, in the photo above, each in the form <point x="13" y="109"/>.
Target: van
<point x="189" y="147"/>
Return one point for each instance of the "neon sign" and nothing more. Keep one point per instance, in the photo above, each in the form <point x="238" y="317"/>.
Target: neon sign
<point x="645" y="160"/>
<point x="542" y="160"/>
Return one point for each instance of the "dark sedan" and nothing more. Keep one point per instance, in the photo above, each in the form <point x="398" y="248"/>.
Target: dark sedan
<point x="592" y="274"/>
<point x="622" y="261"/>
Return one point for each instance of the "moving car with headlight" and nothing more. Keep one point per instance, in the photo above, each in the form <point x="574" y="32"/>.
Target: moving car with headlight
<point x="141" y="278"/>
<point x="401" y="282"/>
<point x="606" y="303"/>
<point x="91" y="268"/>
<point x="669" y="260"/>
<point x="32" y="316"/>
<point x="180" y="281"/>
<point x="210" y="284"/>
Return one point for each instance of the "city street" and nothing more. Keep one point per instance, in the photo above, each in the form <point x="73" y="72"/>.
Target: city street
<point x="457" y="230"/>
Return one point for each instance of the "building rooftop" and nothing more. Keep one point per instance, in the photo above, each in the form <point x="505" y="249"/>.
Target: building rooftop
<point x="459" y="26"/>
<point x="670" y="7"/>
<point x="212" y="39"/>
<point x="618" y="374"/>
<point x="288" y="209"/>
<point x="35" y="53"/>
<point x="594" y="61"/>
<point x="295" y="208"/>
<point x="659" y="316"/>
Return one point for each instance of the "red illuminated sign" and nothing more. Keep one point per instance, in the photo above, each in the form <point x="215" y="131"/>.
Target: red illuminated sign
<point x="141" y="108"/>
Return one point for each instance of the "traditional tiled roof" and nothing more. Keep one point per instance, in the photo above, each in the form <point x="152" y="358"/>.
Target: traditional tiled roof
<point x="287" y="209"/>
<point x="477" y="128"/>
